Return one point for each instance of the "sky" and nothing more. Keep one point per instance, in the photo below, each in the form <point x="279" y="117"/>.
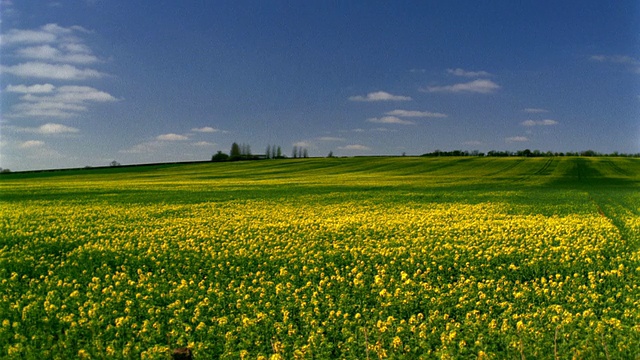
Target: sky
<point x="87" y="82"/>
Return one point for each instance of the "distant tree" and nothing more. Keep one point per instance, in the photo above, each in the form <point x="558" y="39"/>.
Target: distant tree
<point x="267" y="153"/>
<point x="4" y="171"/>
<point x="274" y="154"/>
<point x="294" y="153"/>
<point x="330" y="154"/>
<point x="245" y="150"/>
<point x="220" y="156"/>
<point x="305" y="153"/>
<point x="525" y="153"/>
<point x="114" y="163"/>
<point x="235" y="151"/>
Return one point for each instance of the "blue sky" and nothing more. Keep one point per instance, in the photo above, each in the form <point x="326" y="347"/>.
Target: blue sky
<point x="88" y="82"/>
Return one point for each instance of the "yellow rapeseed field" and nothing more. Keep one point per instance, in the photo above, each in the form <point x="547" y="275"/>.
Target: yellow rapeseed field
<point x="322" y="273"/>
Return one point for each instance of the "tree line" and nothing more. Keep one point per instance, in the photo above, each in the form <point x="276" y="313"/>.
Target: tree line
<point x="243" y="152"/>
<point x="524" y="153"/>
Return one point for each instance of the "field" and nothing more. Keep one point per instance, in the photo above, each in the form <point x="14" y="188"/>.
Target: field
<point x="358" y="258"/>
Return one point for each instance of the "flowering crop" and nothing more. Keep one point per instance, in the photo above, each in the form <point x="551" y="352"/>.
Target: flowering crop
<point x="330" y="269"/>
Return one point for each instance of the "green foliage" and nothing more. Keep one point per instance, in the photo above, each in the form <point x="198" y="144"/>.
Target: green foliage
<point x="220" y="156"/>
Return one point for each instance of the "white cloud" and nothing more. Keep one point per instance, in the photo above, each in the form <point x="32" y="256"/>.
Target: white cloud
<point x="82" y="93"/>
<point x="303" y="144"/>
<point x="52" y="52"/>
<point x="390" y="120"/>
<point x="49" y="33"/>
<point x="203" y="143"/>
<point x="356" y="147"/>
<point x="46" y="109"/>
<point x="61" y="102"/>
<point x="517" y="139"/>
<point x="476" y="86"/>
<point x="461" y="72"/>
<point x="379" y="96"/>
<point x="171" y="137"/>
<point x="57" y="29"/>
<point x="37" y="69"/>
<point x="206" y="129"/>
<point x="545" y="122"/>
<point x="30" y="144"/>
<point x="632" y="63"/>
<point x="618" y="59"/>
<point x="75" y="53"/>
<point x="50" y="128"/>
<point x="535" y="110"/>
<point x="49" y="44"/>
<point x="411" y="113"/>
<point x="33" y="89"/>
<point x="330" y="138"/>
<point x="15" y="36"/>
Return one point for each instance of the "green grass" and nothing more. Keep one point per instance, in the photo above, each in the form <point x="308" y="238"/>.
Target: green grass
<point x="341" y="174"/>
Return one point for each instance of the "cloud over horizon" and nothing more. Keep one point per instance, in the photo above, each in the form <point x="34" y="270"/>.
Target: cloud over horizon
<point x="380" y="96"/>
<point x="545" y="122"/>
<point x="354" y="147"/>
<point x="461" y="72"/>
<point x="50" y="129"/>
<point x="171" y="137"/>
<point x="513" y="139"/>
<point x="480" y="86"/>
<point x="535" y="110"/>
<point x="390" y="120"/>
<point x="412" y="113"/>
<point x="205" y="129"/>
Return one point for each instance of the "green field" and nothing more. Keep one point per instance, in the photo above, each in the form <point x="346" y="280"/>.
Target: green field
<point x="324" y="258"/>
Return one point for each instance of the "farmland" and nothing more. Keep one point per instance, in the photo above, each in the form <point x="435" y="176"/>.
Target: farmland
<point x="324" y="258"/>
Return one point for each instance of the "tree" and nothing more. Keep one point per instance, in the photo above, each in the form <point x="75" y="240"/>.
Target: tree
<point x="114" y="163"/>
<point x="294" y="153"/>
<point x="220" y="156"/>
<point x="267" y="153"/>
<point x="235" y="151"/>
<point x="279" y="153"/>
<point x="305" y="153"/>
<point x="330" y="154"/>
